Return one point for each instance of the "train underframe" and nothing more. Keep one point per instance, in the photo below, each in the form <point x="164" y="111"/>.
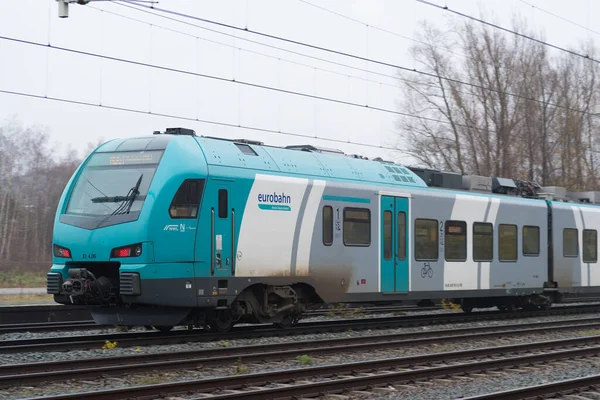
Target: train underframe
<point x="281" y="305"/>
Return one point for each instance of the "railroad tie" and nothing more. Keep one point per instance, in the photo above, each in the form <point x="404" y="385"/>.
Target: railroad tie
<point x="384" y="389"/>
<point x="597" y="394"/>
<point x="336" y="396"/>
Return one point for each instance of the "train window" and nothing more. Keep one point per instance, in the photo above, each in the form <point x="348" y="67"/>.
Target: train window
<point x="387" y="235"/>
<point x="456" y="241"/>
<point x="483" y="241"/>
<point x="357" y="226"/>
<point x="531" y="241"/>
<point x="401" y="236"/>
<point x="327" y="225"/>
<point x="507" y="242"/>
<point x="223" y="203"/>
<point x="570" y="243"/>
<point x="186" y="202"/>
<point x="426" y="240"/>
<point x="590" y="245"/>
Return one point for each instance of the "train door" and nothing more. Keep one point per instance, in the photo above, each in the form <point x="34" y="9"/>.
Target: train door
<point x="393" y="238"/>
<point x="222" y="222"/>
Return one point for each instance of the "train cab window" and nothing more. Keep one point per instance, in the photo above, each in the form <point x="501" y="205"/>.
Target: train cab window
<point x="223" y="203"/>
<point x="590" y="246"/>
<point x="507" y="242"/>
<point x="456" y="241"/>
<point x="186" y="202"/>
<point x="426" y="239"/>
<point x="387" y="235"/>
<point x="483" y="241"/>
<point x="531" y="241"/>
<point x="327" y="225"/>
<point x="401" y="236"/>
<point x="357" y="226"/>
<point x="570" y="243"/>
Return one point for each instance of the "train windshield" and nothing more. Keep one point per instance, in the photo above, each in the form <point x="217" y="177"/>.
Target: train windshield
<point x="114" y="183"/>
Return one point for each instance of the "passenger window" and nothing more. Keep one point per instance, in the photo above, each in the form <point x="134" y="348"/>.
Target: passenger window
<point x="327" y="225"/>
<point x="483" y="241"/>
<point x="401" y="236"/>
<point x="223" y="203"/>
<point x="186" y="202"/>
<point x="357" y="226"/>
<point x="426" y="240"/>
<point x="531" y="241"/>
<point x="507" y="242"/>
<point x="387" y="235"/>
<point x="456" y="241"/>
<point x="590" y="246"/>
<point x="570" y="243"/>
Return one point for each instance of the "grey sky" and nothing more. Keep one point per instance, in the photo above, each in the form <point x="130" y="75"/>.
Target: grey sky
<point x="43" y="71"/>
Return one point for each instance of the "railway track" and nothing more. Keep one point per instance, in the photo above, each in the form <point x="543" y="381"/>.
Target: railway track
<point x="19" y="374"/>
<point x="89" y="324"/>
<point x="19" y="314"/>
<point x="66" y="343"/>
<point x="356" y="376"/>
<point x="40" y="318"/>
<point x="50" y="327"/>
<point x="576" y="388"/>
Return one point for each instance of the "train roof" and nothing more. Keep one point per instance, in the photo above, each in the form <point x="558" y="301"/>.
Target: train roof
<point x="299" y="159"/>
<point x="309" y="160"/>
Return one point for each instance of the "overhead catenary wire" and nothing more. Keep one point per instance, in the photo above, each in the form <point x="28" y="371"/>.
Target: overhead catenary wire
<point x="269" y="46"/>
<point x="354" y="56"/>
<point x="542" y="42"/>
<point x="371" y="26"/>
<point x="268" y="55"/>
<point x="395" y="77"/>
<point x="204" y="121"/>
<point x="238" y="82"/>
<point x="559" y="17"/>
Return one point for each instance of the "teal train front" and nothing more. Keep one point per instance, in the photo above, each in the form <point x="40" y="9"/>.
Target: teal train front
<point x="178" y="229"/>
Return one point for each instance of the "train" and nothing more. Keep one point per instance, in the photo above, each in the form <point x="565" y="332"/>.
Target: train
<point x="178" y="229"/>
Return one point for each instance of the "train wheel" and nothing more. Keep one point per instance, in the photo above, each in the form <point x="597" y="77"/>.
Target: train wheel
<point x="163" y="328"/>
<point x="287" y="322"/>
<point x="467" y="309"/>
<point x="545" y="306"/>
<point x="221" y="322"/>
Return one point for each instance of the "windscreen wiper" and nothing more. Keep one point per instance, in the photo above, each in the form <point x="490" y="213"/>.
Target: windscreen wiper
<point x="113" y="199"/>
<point x="126" y="201"/>
<point x="135" y="193"/>
<point x="109" y="199"/>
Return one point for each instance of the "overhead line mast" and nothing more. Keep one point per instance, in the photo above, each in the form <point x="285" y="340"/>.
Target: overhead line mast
<point x="63" y="6"/>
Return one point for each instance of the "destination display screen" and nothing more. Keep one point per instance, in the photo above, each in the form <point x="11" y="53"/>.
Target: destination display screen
<point x="125" y="158"/>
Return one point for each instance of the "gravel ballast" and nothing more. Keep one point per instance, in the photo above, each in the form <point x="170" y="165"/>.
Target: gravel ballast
<point x="234" y="368"/>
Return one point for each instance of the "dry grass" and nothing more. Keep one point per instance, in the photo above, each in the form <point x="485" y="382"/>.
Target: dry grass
<point x="22" y="279"/>
<point x="26" y="297"/>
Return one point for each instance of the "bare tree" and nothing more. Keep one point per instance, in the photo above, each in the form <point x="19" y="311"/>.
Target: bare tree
<point x="502" y="107"/>
<point x="32" y="178"/>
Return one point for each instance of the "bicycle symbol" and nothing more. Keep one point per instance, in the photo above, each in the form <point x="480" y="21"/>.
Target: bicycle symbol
<point x="426" y="270"/>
